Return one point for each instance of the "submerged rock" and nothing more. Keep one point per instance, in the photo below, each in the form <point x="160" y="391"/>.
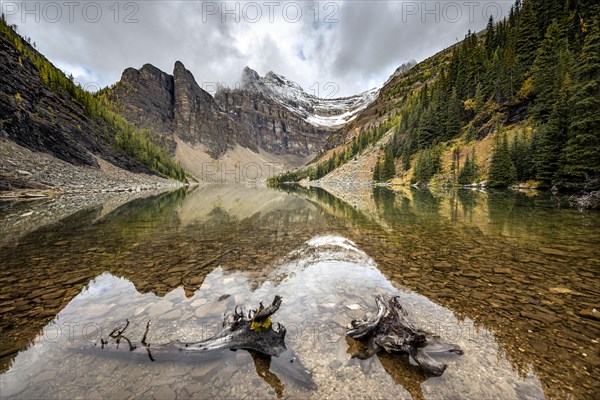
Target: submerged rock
<point x="590" y="313"/>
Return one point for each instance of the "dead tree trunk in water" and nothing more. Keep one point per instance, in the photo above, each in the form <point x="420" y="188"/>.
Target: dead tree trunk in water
<point x="252" y="331"/>
<point x="249" y="331"/>
<point x="392" y="331"/>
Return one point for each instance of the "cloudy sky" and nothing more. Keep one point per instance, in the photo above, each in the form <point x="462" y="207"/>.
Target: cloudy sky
<point x="354" y="44"/>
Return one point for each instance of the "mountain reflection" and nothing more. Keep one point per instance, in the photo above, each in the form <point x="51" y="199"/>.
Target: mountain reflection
<point x="452" y="256"/>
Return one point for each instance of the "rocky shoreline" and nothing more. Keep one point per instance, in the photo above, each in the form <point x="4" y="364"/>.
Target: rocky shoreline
<point x="19" y="216"/>
<point x="28" y="174"/>
<point x="37" y="189"/>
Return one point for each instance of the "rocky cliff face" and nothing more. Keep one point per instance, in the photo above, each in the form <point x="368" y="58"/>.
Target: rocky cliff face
<point x="270" y="125"/>
<point x="269" y="119"/>
<point x="322" y="112"/>
<point x="149" y="88"/>
<point x="200" y="120"/>
<point x="177" y="108"/>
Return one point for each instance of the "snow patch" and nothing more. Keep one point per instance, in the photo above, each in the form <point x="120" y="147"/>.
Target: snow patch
<point x="320" y="112"/>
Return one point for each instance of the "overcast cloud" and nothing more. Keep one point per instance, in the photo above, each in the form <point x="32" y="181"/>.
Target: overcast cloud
<point x="356" y="45"/>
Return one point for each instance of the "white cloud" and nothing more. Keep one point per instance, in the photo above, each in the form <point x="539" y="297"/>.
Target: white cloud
<point x="368" y="41"/>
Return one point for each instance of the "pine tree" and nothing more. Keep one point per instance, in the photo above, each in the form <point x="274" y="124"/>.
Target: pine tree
<point x="490" y="42"/>
<point x="527" y="37"/>
<point x="453" y="119"/>
<point x="388" y="169"/>
<point x="554" y="135"/>
<point x="550" y="66"/>
<point x="421" y="171"/>
<point x="377" y="171"/>
<point x="330" y="163"/>
<point x="426" y="129"/>
<point x="502" y="171"/>
<point x="518" y="155"/>
<point x="546" y="11"/>
<point x="468" y="173"/>
<point x="493" y="77"/>
<point x="455" y="161"/>
<point x="427" y="165"/>
<point x="581" y="157"/>
<point x="532" y="149"/>
<point x="509" y="75"/>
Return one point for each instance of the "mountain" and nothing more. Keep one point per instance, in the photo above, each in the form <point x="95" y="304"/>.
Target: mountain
<point x="38" y="118"/>
<point x="150" y="117"/>
<point x="514" y="105"/>
<point x="268" y="124"/>
<point x="318" y="111"/>
<point x="46" y="121"/>
<point x="174" y="106"/>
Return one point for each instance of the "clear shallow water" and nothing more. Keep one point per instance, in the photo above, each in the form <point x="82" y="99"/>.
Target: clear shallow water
<point x="504" y="276"/>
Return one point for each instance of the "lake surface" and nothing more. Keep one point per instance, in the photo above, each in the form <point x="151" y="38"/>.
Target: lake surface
<point x="504" y="275"/>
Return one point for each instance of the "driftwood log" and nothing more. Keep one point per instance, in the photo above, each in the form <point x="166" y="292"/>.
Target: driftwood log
<point x="252" y="331"/>
<point x="392" y="331"/>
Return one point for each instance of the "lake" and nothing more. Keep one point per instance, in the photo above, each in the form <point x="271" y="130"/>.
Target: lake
<point x="510" y="277"/>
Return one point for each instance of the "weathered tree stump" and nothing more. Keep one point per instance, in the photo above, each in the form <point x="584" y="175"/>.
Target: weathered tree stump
<point x="249" y="331"/>
<point x="252" y="331"/>
<point x="392" y="331"/>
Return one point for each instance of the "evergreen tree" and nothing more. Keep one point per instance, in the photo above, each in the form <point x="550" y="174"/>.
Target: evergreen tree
<point x="509" y="72"/>
<point x="532" y="148"/>
<point x="527" y="37"/>
<point x="546" y="11"/>
<point x="388" y="169"/>
<point x="554" y="135"/>
<point x="468" y="173"/>
<point x="453" y="119"/>
<point x="377" y="171"/>
<point x="493" y="77"/>
<point x="551" y="64"/>
<point x="518" y="155"/>
<point x="581" y="157"/>
<point x="502" y="171"/>
<point x="455" y="162"/>
<point x="426" y="130"/>
<point x="427" y="165"/>
<point x="490" y="42"/>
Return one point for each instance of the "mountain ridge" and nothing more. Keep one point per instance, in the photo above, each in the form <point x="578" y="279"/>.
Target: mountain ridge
<point x="327" y="112"/>
<point x="262" y="116"/>
<point x="42" y="111"/>
<point x="516" y="105"/>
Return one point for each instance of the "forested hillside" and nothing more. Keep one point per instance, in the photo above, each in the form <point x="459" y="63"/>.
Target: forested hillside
<point x="530" y="81"/>
<point x="75" y="123"/>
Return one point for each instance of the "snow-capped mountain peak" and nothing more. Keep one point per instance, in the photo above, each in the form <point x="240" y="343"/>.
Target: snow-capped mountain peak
<point x="321" y="112"/>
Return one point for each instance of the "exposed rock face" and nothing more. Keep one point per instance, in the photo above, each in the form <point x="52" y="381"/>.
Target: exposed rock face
<point x="176" y="107"/>
<point x="270" y="125"/>
<point x="38" y="118"/>
<point x="199" y="120"/>
<point x="268" y="120"/>
<point x="145" y="89"/>
<point x="322" y="112"/>
<point x="285" y="119"/>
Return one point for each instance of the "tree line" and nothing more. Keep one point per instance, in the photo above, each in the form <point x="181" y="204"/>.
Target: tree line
<point x="543" y="62"/>
<point x="356" y="147"/>
<point x="540" y="65"/>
